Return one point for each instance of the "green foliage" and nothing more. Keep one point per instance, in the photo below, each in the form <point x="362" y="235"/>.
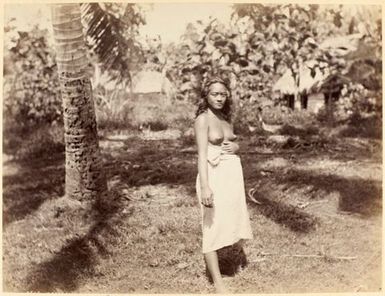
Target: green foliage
<point x="112" y="30"/>
<point x="41" y="141"/>
<point x="112" y="108"/>
<point x="356" y="99"/>
<point x="245" y="116"/>
<point x="260" y="44"/>
<point x="295" y="117"/>
<point x="150" y="111"/>
<point x="157" y="125"/>
<point x="367" y="71"/>
<point x="365" y="127"/>
<point x="31" y="86"/>
<point x="304" y="132"/>
<point x="217" y="49"/>
<point x="288" y="36"/>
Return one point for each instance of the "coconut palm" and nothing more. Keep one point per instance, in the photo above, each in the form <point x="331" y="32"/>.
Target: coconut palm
<point x="84" y="177"/>
<point x="111" y="31"/>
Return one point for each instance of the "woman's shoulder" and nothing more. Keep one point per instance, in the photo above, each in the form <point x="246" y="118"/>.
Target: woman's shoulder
<point x="201" y="120"/>
<point x="202" y="116"/>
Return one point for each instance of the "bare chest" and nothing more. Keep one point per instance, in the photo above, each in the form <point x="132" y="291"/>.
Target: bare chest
<point x="219" y="131"/>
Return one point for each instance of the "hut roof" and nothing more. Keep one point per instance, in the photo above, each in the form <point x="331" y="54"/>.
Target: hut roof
<point x="352" y="47"/>
<point x="148" y="82"/>
<point x="367" y="73"/>
<point x="348" y="46"/>
<point x="331" y="83"/>
<point x="342" y="45"/>
<point x="286" y="84"/>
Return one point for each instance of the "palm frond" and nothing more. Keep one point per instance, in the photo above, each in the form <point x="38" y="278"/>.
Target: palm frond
<point x="111" y="30"/>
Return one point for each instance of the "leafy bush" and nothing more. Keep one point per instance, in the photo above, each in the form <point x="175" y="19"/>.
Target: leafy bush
<point x="366" y="127"/>
<point x="157" y="125"/>
<point x="254" y="49"/>
<point x="31" y="86"/>
<point x="302" y="132"/>
<point x="112" y="108"/>
<point x="245" y="115"/>
<point x="248" y="114"/>
<point x="42" y="141"/>
<point x="356" y="99"/>
<point x="152" y="111"/>
<point x="188" y="140"/>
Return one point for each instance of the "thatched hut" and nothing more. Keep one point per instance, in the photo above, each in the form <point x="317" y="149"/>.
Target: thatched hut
<point x="343" y="45"/>
<point x="285" y="86"/>
<point x="151" y="83"/>
<point x="330" y="88"/>
<point x="315" y="90"/>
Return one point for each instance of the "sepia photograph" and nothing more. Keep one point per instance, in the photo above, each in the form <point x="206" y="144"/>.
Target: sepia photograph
<point x="192" y="148"/>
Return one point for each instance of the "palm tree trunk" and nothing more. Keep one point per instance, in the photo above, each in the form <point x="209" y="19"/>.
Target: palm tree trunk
<point x="85" y="180"/>
<point x="295" y="75"/>
<point x="330" y="109"/>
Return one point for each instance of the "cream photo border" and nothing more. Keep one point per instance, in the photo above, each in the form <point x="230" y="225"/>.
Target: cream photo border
<point x="346" y="2"/>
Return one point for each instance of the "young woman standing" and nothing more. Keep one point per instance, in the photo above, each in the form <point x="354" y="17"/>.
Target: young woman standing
<point x="220" y="185"/>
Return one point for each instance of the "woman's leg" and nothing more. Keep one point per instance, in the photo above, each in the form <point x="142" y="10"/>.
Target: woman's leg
<point x="213" y="267"/>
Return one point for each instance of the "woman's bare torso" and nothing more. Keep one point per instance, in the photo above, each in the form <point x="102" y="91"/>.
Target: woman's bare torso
<point x="219" y="130"/>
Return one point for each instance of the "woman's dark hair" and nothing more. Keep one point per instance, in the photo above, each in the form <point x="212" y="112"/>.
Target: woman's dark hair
<point x="203" y="104"/>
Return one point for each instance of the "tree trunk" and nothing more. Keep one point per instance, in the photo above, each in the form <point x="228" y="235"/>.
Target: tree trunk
<point x="297" y="99"/>
<point x="84" y="180"/>
<point x="330" y="109"/>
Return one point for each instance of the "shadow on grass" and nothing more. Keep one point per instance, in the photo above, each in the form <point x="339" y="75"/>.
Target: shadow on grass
<point x="62" y="273"/>
<point x="36" y="181"/>
<point x="150" y="163"/>
<point x="153" y="162"/>
<point x="283" y="214"/>
<point x="231" y="259"/>
<point x="78" y="258"/>
<point x="356" y="195"/>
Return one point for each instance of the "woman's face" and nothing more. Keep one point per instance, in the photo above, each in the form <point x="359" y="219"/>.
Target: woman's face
<point x="217" y="96"/>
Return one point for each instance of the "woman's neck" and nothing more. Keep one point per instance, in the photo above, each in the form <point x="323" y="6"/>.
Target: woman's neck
<point x="217" y="113"/>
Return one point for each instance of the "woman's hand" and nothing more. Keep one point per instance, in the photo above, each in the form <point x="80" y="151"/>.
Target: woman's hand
<point x="207" y="197"/>
<point x="230" y="147"/>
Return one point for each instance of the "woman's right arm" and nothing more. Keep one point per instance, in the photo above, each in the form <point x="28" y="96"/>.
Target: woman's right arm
<point x="201" y="134"/>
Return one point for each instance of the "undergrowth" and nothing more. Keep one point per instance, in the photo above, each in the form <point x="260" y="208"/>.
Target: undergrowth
<point x="34" y="141"/>
<point x="147" y="111"/>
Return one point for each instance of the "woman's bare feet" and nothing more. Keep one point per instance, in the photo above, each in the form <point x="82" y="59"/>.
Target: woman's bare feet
<point x="220" y="288"/>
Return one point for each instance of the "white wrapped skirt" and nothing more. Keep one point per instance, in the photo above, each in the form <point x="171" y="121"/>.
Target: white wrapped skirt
<point x="228" y="220"/>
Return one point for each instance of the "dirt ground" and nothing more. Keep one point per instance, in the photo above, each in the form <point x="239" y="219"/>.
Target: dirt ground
<point x="317" y="223"/>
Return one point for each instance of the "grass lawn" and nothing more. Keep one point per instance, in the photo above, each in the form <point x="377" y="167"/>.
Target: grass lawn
<point x="317" y="229"/>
